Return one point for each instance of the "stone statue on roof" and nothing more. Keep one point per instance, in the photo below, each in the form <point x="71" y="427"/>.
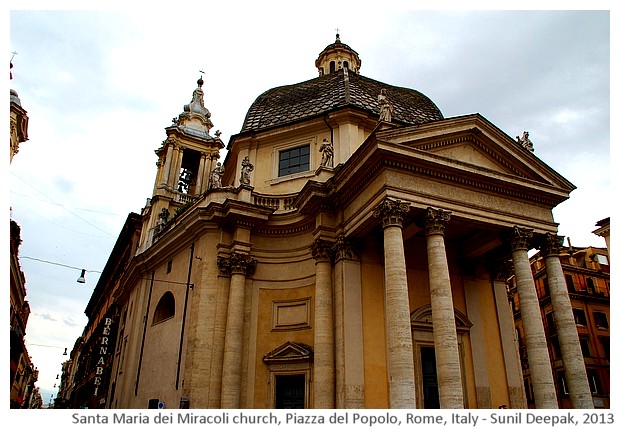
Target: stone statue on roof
<point x="385" y="107"/>
<point x="525" y="141"/>
<point x="215" y="179"/>
<point x="327" y="158"/>
<point x="246" y="168"/>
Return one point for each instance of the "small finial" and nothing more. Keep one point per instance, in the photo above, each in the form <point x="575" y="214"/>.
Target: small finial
<point x="337" y="35"/>
<point x="200" y="82"/>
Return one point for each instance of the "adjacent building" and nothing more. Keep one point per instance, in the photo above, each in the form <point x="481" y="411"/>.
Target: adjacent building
<point x="586" y="272"/>
<point x="346" y="253"/>
<point x="23" y="393"/>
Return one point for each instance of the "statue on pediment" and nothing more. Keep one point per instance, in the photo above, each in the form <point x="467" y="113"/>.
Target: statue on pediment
<point x="525" y="141"/>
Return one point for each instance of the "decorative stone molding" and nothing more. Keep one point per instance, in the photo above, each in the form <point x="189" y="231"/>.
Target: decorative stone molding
<point x="289" y="353"/>
<point x="520" y="238"/>
<point x="236" y="263"/>
<point x="322" y="250"/>
<point x="391" y="212"/>
<point x="344" y="248"/>
<point x="501" y="271"/>
<point x="435" y="221"/>
<point x="550" y="244"/>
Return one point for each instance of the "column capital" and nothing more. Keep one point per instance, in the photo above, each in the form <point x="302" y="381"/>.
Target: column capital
<point x="435" y="221"/>
<point x="322" y="250"/>
<point x="344" y="248"/>
<point x="550" y="244"/>
<point x="520" y="237"/>
<point x="236" y="263"/>
<point x="392" y="212"/>
<point x="501" y="271"/>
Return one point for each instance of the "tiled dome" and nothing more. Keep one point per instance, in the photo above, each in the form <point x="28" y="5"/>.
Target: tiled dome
<point x="342" y="89"/>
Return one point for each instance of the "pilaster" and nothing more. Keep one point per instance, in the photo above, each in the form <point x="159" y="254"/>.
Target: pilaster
<point x="324" y="362"/>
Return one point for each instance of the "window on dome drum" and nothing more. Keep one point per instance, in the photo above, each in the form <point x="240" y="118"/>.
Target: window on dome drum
<point x="164" y="309"/>
<point x="332" y="66"/>
<point x="294" y="160"/>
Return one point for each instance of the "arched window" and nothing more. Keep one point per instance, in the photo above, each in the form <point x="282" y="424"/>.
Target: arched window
<point x="332" y="66"/>
<point x="164" y="309"/>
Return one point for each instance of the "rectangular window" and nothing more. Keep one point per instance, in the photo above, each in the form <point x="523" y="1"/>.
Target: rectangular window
<point x="294" y="160"/>
<point x="580" y="316"/>
<point x="605" y="343"/>
<point x="600" y="319"/>
<point x="585" y="347"/>
<point x="570" y="284"/>
<point x="602" y="259"/>
<point x="562" y="385"/>
<point x="594" y="382"/>
<point x="550" y="323"/>
<point x="290" y="391"/>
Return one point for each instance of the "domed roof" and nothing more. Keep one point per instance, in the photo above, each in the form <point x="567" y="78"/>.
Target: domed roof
<point x="342" y="89"/>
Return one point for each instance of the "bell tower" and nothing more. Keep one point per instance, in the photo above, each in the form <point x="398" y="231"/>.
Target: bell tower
<point x="337" y="56"/>
<point x="184" y="162"/>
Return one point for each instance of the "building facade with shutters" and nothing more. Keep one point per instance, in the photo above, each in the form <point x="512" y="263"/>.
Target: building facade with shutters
<point x="346" y="253"/>
<point x="586" y="271"/>
<point x="23" y="374"/>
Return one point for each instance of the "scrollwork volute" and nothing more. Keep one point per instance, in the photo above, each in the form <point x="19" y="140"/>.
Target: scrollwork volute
<point x="322" y="250"/>
<point x="435" y="221"/>
<point x="391" y="212"/>
<point x="236" y="263"/>
<point x="520" y="238"/>
<point x="550" y="244"/>
<point x="344" y="249"/>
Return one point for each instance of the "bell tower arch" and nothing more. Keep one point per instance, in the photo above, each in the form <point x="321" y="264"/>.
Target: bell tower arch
<point x="184" y="161"/>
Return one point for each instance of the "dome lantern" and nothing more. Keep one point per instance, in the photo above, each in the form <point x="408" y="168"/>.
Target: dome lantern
<point x="337" y="56"/>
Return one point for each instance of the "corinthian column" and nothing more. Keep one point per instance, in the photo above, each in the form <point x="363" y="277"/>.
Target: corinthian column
<point x="535" y="341"/>
<point x="397" y="323"/>
<point x="324" y="365"/>
<point x="574" y="366"/>
<point x="240" y="266"/>
<point x="444" y="326"/>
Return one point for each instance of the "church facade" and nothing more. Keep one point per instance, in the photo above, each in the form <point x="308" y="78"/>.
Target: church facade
<point x="350" y="251"/>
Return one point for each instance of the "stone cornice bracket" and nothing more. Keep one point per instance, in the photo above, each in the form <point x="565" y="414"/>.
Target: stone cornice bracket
<point x="391" y="212"/>
<point x="236" y="263"/>
<point x="550" y="244"/>
<point x="344" y="248"/>
<point x="520" y="238"/>
<point x="435" y="220"/>
<point x="322" y="250"/>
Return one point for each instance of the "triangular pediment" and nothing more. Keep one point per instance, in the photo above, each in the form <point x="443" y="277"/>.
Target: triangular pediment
<point x="473" y="153"/>
<point x="474" y="144"/>
<point x="289" y="352"/>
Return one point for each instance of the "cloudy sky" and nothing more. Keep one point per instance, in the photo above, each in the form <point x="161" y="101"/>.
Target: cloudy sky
<point x="100" y="87"/>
